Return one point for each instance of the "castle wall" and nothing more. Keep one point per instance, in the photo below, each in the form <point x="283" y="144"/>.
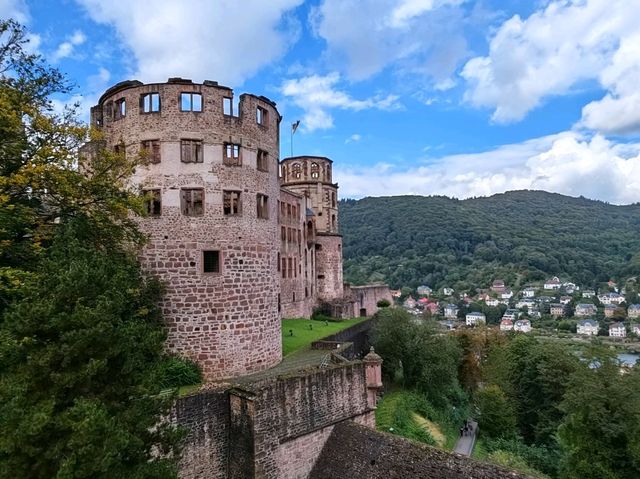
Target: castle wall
<point x="366" y="298"/>
<point x="227" y="320"/>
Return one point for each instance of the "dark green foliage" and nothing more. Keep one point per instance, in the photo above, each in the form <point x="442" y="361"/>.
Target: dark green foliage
<point x="79" y="356"/>
<point x="423" y="358"/>
<point x="175" y="372"/>
<point x="600" y="433"/>
<point x="541" y="458"/>
<point x="397" y="416"/>
<point x="496" y="416"/>
<point x="519" y="236"/>
<point x="383" y="303"/>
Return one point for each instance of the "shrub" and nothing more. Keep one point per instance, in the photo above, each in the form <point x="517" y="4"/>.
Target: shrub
<point x="383" y="303"/>
<point x="175" y="372"/>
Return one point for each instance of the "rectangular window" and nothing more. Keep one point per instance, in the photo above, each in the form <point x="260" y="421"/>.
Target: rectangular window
<point x="227" y="106"/>
<point x="283" y="233"/>
<point x="211" y="261"/>
<point x="190" y="102"/>
<point x="290" y="269"/>
<point x="191" y="151"/>
<point x="192" y="201"/>
<point x="120" y="109"/>
<point x="152" y="150"/>
<point x="232" y="154"/>
<point x="262" y="206"/>
<point x="262" y="116"/>
<point x="150" y="102"/>
<point x="284" y="267"/>
<point x="153" y="202"/>
<point x="262" y="160"/>
<point x="231" y="202"/>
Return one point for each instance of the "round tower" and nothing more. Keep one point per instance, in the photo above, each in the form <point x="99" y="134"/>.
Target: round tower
<point x="311" y="176"/>
<point x="212" y="190"/>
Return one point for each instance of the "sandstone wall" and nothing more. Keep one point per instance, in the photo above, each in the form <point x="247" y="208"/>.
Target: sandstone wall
<point x="366" y="298"/>
<point x="329" y="267"/>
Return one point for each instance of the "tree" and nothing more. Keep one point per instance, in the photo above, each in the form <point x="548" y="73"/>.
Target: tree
<point x="496" y="416"/>
<point x="80" y="333"/>
<point x="600" y="433"/>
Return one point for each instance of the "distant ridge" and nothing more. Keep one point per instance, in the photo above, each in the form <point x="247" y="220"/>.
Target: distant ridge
<point x="518" y="236"/>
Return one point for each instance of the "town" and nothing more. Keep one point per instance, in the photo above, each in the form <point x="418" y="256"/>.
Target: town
<point x="551" y="306"/>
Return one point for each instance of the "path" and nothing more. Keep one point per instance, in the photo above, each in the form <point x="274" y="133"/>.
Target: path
<point x="465" y="444"/>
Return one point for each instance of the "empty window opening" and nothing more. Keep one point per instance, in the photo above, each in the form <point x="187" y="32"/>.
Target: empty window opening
<point x="152" y="150"/>
<point x="333" y="200"/>
<point x="262" y="116"/>
<point x="363" y="312"/>
<point x="321" y="276"/>
<point x="153" y="202"/>
<point x="190" y="102"/>
<point x="227" y="106"/>
<point x="150" y="102"/>
<point x="284" y="267"/>
<point x="318" y="247"/>
<point x="231" y="203"/>
<point x="119" y="149"/>
<point x="278" y="262"/>
<point x="192" y="201"/>
<point x="283" y="233"/>
<point x="333" y="222"/>
<point x="315" y="170"/>
<point x="262" y="206"/>
<point x="296" y="170"/>
<point x="294" y="296"/>
<point x="262" y="160"/>
<point x="232" y="154"/>
<point x="120" y="109"/>
<point x="211" y="261"/>
<point x="290" y="270"/>
<point x="191" y="151"/>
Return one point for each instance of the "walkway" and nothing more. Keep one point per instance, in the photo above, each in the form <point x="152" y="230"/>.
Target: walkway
<point x="465" y="444"/>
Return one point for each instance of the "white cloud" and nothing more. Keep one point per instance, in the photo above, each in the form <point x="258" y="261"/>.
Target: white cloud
<point x="226" y="40"/>
<point x="551" y="52"/>
<point x="16" y="9"/>
<point x="95" y="85"/>
<point x="66" y="48"/>
<point x="366" y="36"/>
<point x="317" y="94"/>
<point x="353" y="138"/>
<point x="566" y="163"/>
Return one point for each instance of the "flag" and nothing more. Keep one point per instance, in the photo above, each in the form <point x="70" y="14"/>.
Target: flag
<point x="294" y="126"/>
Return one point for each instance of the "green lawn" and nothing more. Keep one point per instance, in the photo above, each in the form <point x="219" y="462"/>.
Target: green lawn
<point x="305" y="331"/>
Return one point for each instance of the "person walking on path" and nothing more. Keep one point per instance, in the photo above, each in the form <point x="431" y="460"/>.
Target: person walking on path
<point x="467" y="438"/>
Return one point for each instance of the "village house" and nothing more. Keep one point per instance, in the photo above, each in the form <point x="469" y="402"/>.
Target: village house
<point x="635" y="329"/>
<point x="564" y="299"/>
<point x="525" y="303"/>
<point x="409" y="303"/>
<point x="432" y="307"/>
<point x="588" y="327"/>
<point x="475" y="318"/>
<point x="634" y="311"/>
<point x="498" y="286"/>
<point x="617" y="330"/>
<point x="448" y="291"/>
<point x="588" y="293"/>
<point x="492" y="302"/>
<point x="424" y="290"/>
<point x="506" y="325"/>
<point x="609" y="310"/>
<point x="450" y="311"/>
<point x="553" y="283"/>
<point x="611" y="298"/>
<point x="585" y="309"/>
<point x="506" y="294"/>
<point x="613" y="285"/>
<point x="511" y="314"/>
<point x="569" y="287"/>
<point x="395" y="293"/>
<point x="544" y="299"/>
<point x="528" y="292"/>
<point x="535" y="313"/>
<point x="556" y="310"/>
<point x="522" y="325"/>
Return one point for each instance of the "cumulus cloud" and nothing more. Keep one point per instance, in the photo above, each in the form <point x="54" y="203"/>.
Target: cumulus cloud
<point x="365" y="36"/>
<point x="553" y="51"/>
<point x="226" y="40"/>
<point x="317" y="94"/>
<point x="353" y="138"/>
<point x="67" y="48"/>
<point x="566" y="163"/>
<point x="16" y="9"/>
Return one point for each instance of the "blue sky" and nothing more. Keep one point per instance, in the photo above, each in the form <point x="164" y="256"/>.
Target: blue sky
<point x="454" y="97"/>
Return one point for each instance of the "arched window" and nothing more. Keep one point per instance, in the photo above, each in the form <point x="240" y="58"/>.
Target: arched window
<point x="296" y="170"/>
<point x="315" y="170"/>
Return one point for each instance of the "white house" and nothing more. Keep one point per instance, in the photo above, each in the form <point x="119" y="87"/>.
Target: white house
<point x="424" y="290"/>
<point x="522" y="325"/>
<point x="528" y="292"/>
<point x="506" y="325"/>
<point x="475" y="318"/>
<point x="634" y="311"/>
<point x="448" y="291"/>
<point x="617" y="330"/>
<point x="450" y="311"/>
<point x="525" y="303"/>
<point x="588" y="327"/>
<point x="635" y="329"/>
<point x="611" y="298"/>
<point x="506" y="294"/>
<point x="564" y="299"/>
<point x="588" y="293"/>
<point x="553" y="283"/>
<point x="511" y="314"/>
<point x="491" y="302"/>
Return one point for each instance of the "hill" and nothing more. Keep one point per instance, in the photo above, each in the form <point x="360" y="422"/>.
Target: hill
<point x="519" y="236"/>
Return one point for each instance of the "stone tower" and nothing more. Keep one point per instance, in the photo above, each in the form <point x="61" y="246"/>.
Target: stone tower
<point x="212" y="186"/>
<point x="311" y="176"/>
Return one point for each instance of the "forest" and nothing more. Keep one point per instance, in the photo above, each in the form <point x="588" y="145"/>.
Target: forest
<point x="519" y="236"/>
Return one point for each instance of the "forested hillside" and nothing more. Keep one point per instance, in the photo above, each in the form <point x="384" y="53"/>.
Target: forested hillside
<point x="519" y="236"/>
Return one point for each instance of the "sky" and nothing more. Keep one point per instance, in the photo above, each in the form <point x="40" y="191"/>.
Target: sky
<point x="430" y="97"/>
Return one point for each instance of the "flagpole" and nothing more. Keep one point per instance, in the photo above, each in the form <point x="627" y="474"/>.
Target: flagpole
<point x="292" y="140"/>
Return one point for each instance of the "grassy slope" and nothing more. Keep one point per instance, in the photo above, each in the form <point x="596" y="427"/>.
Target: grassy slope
<point x="303" y="336"/>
